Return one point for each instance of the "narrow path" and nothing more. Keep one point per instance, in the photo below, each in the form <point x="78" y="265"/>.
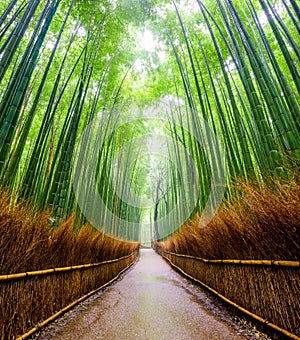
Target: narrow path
<point x="150" y="302"/>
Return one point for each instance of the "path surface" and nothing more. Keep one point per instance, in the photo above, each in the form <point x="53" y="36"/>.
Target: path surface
<point x="150" y="302"/>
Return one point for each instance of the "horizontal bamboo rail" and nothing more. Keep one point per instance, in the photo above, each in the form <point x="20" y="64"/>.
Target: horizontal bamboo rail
<point x="279" y="263"/>
<point x="59" y="270"/>
<point x="245" y="311"/>
<point x="72" y="304"/>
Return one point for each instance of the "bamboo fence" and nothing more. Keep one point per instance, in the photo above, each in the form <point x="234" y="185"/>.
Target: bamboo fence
<point x="28" y="298"/>
<point x="59" y="270"/>
<point x="266" y="290"/>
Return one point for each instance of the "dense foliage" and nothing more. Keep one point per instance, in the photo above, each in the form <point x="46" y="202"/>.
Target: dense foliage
<point x="223" y="75"/>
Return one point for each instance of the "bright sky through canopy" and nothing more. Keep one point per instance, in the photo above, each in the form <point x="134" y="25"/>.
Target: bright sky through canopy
<point x="146" y="40"/>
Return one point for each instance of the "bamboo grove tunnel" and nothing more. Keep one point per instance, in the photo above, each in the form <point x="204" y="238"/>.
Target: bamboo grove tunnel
<point x="132" y="124"/>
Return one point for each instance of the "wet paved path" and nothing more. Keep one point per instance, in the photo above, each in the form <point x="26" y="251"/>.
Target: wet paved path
<point x="150" y="302"/>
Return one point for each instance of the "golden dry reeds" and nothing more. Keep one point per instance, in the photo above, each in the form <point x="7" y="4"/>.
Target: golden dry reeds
<point x="262" y="222"/>
<point x="28" y="243"/>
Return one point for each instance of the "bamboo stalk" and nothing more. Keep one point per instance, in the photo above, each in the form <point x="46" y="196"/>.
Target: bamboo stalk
<point x="60" y="270"/>
<point x="278" y="263"/>
<point x="71" y="305"/>
<point x="252" y="315"/>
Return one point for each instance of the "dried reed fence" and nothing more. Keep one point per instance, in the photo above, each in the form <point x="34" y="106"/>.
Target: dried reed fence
<point x="28" y="298"/>
<point x="30" y="289"/>
<point x="267" y="289"/>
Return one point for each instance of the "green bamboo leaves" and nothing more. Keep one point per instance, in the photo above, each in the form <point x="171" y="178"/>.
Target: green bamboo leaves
<point x="231" y="64"/>
<point x="274" y="126"/>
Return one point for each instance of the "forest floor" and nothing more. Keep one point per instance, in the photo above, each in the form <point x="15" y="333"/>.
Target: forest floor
<point x="151" y="302"/>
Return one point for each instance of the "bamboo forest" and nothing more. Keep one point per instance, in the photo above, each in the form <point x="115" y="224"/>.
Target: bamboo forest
<point x="135" y="128"/>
